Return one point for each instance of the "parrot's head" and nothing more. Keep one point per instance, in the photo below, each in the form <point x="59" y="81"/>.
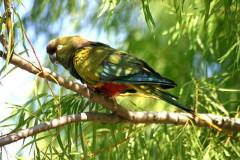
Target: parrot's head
<point x="61" y="49"/>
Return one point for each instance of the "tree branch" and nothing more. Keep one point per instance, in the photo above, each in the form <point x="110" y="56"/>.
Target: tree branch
<point x="230" y="124"/>
<point x="121" y="115"/>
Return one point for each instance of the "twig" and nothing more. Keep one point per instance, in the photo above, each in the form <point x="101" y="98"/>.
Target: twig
<point x="44" y="75"/>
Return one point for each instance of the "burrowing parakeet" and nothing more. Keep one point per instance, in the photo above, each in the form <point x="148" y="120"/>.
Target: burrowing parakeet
<point x="109" y="70"/>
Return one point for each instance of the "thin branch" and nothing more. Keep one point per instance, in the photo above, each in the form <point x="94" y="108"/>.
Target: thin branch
<point x="43" y="73"/>
<point x="226" y="123"/>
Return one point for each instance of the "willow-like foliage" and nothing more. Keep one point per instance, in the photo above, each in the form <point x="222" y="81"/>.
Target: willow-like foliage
<point x="195" y="43"/>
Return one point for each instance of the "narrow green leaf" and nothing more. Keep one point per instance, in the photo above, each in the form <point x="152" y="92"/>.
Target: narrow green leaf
<point x="221" y="59"/>
<point x="148" y="16"/>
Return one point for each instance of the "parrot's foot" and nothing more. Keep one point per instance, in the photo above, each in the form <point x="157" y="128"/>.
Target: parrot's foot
<point x="114" y="102"/>
<point x="89" y="90"/>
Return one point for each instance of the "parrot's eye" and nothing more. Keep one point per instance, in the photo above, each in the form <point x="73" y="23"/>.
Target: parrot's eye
<point x="51" y="50"/>
<point x="59" y="47"/>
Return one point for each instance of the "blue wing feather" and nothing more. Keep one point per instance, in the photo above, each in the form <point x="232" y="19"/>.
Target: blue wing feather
<point x="132" y="70"/>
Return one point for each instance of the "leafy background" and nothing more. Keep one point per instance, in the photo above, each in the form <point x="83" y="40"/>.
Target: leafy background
<point x="195" y="43"/>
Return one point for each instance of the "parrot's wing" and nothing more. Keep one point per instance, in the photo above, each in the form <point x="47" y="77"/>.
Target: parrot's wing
<point x="123" y="68"/>
<point x="98" y="44"/>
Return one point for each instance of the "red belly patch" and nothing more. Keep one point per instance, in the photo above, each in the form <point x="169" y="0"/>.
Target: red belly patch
<point x="113" y="89"/>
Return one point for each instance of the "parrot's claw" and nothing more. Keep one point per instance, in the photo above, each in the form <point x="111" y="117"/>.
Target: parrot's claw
<point x="89" y="91"/>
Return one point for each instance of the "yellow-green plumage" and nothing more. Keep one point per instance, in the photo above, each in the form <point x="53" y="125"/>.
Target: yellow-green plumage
<point x="89" y="66"/>
<point x="109" y="70"/>
<point x="88" y="63"/>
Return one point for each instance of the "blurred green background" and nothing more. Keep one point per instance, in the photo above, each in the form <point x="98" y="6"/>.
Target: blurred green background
<point x="195" y="43"/>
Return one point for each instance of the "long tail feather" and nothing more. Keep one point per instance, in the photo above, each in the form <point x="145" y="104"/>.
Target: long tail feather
<point x="167" y="97"/>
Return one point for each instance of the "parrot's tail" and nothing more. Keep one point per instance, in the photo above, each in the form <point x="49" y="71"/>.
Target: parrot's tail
<point x="167" y="97"/>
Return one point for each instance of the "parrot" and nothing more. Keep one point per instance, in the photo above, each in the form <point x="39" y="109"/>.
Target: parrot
<point x="109" y="70"/>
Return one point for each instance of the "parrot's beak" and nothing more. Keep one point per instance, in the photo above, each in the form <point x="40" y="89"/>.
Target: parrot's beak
<point x="53" y="58"/>
<point x="52" y="54"/>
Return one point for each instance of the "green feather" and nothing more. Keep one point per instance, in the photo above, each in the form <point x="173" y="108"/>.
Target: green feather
<point x="124" y="68"/>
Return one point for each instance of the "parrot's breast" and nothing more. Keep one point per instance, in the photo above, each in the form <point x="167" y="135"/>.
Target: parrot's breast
<point x="113" y="89"/>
